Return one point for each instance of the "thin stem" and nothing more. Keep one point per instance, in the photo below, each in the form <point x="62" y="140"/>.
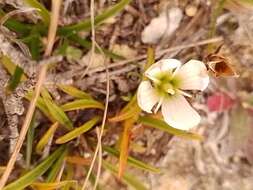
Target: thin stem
<point x="101" y="131"/>
<point x="159" y="104"/>
<point x="93" y="37"/>
<point x="24" y="128"/>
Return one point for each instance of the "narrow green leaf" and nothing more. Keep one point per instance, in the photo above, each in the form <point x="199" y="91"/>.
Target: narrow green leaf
<point x="57" y="113"/>
<point x="73" y="91"/>
<point x="55" y="185"/>
<point x="127" y="177"/>
<point x="10" y="66"/>
<point x="15" y="79"/>
<point x="130" y="104"/>
<point x="86" y="24"/>
<point x="159" y="124"/>
<point x="132" y="161"/>
<point x="77" y="131"/>
<point x="131" y="112"/>
<point x="38" y="171"/>
<point x="69" y="176"/>
<point x="46" y="94"/>
<point x="14" y="25"/>
<point x="35" y="43"/>
<point x="29" y="141"/>
<point x="45" y="138"/>
<point x="52" y="175"/>
<point x="42" y="10"/>
<point x="41" y="105"/>
<point x="82" y="104"/>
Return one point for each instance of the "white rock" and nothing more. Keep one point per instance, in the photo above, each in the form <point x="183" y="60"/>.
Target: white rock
<point x="162" y="26"/>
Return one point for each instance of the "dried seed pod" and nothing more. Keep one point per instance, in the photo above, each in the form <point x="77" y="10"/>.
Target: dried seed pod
<point x="219" y="65"/>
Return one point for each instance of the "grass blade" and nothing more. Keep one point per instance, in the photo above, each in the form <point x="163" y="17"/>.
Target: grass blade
<point x="77" y="131"/>
<point x="132" y="161"/>
<point x="55" y="185"/>
<point x="41" y="105"/>
<point x="82" y="104"/>
<point x="127" y="177"/>
<point x="15" y="25"/>
<point x="29" y="141"/>
<point x="159" y="124"/>
<point x="45" y="138"/>
<point x="44" y="13"/>
<point x="69" y="176"/>
<point x="57" y="113"/>
<point x="72" y="91"/>
<point x="56" y="167"/>
<point x="11" y="67"/>
<point x="134" y="110"/>
<point x="15" y="79"/>
<point x="39" y="170"/>
<point x="86" y="24"/>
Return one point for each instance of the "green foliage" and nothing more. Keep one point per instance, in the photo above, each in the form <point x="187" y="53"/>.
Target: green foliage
<point x="77" y="131"/>
<point x="41" y="10"/>
<point x="159" y="124"/>
<point x="82" y="104"/>
<point x="86" y="24"/>
<point x="46" y="138"/>
<point x="127" y="177"/>
<point x="15" y="79"/>
<point x="73" y="91"/>
<point x="38" y="171"/>
<point x="132" y="161"/>
<point x="29" y="141"/>
<point x="56" y="112"/>
<point x="56" y="167"/>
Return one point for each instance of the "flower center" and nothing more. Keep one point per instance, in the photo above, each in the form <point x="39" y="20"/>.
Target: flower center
<point x="166" y="84"/>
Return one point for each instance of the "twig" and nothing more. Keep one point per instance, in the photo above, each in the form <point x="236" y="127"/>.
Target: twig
<point x="159" y="53"/>
<point x="42" y="75"/>
<point x="24" y="128"/>
<point x="93" y="38"/>
<point x="99" y="146"/>
<point x="56" y="5"/>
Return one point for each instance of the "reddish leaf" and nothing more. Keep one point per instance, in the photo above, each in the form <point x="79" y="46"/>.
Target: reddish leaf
<point x="219" y="102"/>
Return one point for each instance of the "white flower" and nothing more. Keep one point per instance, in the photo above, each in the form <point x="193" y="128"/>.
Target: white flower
<point x="166" y="89"/>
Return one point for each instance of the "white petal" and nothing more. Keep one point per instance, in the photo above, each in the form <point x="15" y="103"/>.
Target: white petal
<point x="193" y="76"/>
<point x="164" y="65"/>
<point x="178" y="113"/>
<point x="147" y="96"/>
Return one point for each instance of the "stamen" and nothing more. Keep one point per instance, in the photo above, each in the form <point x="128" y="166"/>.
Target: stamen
<point x="159" y="104"/>
<point x="171" y="91"/>
<point x="184" y="93"/>
<point x="175" y="72"/>
<point x="155" y="80"/>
